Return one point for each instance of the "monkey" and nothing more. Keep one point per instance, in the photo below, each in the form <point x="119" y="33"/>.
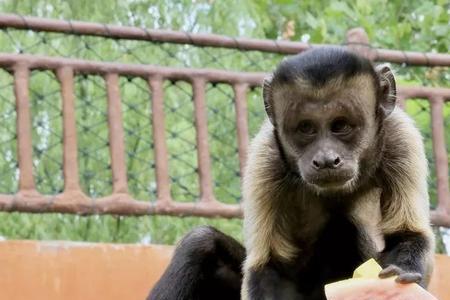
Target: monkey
<point x="336" y="175"/>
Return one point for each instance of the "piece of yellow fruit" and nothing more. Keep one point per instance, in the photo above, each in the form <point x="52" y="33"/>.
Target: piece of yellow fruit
<point x="369" y="269"/>
<point x="365" y="285"/>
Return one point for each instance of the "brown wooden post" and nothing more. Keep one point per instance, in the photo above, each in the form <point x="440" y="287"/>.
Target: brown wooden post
<point x="240" y="102"/>
<point x="401" y="100"/>
<point x="70" y="153"/>
<point x="358" y="41"/>
<point x="23" y="127"/>
<point x="440" y="154"/>
<point x="201" y="125"/>
<point x="159" y="140"/>
<point x="116" y="135"/>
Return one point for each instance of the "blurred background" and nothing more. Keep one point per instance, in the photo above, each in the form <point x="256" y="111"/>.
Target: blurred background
<point x="415" y="25"/>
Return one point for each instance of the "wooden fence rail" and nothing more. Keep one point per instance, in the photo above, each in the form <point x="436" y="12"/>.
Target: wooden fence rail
<point x="73" y="200"/>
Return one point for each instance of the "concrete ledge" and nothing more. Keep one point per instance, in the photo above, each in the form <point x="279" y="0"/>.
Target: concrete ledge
<point x="68" y="270"/>
<point x="72" y="270"/>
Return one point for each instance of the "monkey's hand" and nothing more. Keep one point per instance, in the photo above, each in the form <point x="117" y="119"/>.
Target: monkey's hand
<point x="402" y="275"/>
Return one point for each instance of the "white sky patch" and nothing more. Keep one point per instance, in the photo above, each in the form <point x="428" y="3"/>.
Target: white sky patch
<point x="245" y="26"/>
<point x="153" y="11"/>
<point x="305" y="38"/>
<point x="146" y="240"/>
<point x="446" y="238"/>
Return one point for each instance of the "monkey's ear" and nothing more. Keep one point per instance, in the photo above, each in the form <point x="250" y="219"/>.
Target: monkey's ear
<point x="267" y="96"/>
<point x="388" y="89"/>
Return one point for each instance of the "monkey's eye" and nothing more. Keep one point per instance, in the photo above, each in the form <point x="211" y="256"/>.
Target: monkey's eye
<point x="341" y="126"/>
<point x="306" y="127"/>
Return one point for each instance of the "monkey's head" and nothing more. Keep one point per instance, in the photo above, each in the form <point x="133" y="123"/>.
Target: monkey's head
<point x="327" y="106"/>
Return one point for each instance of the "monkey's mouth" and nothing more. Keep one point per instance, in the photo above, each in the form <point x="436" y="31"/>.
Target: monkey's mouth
<point x="329" y="183"/>
<point x="331" y="180"/>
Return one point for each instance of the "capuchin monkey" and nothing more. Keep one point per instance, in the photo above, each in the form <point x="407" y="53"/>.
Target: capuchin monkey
<point x="336" y="175"/>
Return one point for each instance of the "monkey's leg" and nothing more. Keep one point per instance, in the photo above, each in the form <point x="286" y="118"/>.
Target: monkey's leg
<point x="405" y="255"/>
<point x="206" y="265"/>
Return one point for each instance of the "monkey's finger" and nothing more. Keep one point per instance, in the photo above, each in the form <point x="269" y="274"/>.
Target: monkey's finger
<point x="389" y="271"/>
<point x="409" y="278"/>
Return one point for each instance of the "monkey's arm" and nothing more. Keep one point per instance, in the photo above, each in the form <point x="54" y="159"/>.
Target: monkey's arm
<point x="264" y="238"/>
<point x="409" y="240"/>
<point x="267" y="250"/>
<point x="407" y="255"/>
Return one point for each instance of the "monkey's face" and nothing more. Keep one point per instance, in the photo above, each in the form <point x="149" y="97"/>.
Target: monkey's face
<point x="327" y="106"/>
<point x="328" y="132"/>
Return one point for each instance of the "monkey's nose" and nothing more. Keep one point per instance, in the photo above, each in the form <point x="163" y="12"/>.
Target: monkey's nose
<point x="327" y="162"/>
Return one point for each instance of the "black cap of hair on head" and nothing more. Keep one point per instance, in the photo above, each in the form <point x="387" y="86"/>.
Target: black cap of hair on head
<point x="320" y="65"/>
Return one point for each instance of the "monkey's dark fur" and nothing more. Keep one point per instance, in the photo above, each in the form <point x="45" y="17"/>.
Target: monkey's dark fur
<point x="336" y="175"/>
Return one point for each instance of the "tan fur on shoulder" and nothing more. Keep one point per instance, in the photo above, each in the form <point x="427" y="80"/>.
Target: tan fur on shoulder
<point x="261" y="187"/>
<point x="405" y="166"/>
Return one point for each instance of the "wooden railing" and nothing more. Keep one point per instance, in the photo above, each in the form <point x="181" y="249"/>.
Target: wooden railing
<point x="74" y="200"/>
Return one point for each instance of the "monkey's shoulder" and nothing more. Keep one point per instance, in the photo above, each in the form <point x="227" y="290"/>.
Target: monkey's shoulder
<point x="263" y="144"/>
<point x="264" y="162"/>
<point x="403" y="144"/>
<point x="401" y="131"/>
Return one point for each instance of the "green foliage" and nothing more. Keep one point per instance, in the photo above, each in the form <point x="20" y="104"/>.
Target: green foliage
<point x="110" y="229"/>
<point x="414" y="25"/>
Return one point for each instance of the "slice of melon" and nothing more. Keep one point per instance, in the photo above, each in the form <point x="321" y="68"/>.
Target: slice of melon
<point x="365" y="285"/>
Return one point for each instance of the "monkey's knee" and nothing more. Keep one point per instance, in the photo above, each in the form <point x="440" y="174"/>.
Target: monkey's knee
<point x="199" y="240"/>
<point x="197" y="245"/>
<point x="201" y="233"/>
<point x="205" y="242"/>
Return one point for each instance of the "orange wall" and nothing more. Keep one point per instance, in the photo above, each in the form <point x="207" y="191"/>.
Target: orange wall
<point x="84" y="271"/>
<point x="79" y="271"/>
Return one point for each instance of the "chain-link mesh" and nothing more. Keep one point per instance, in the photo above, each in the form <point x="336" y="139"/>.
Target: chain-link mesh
<point x="94" y="160"/>
<point x="8" y="154"/>
<point x="181" y="141"/>
<point x="46" y="115"/>
<point x="447" y="134"/>
<point x="222" y="142"/>
<point x="143" y="52"/>
<point x="136" y="109"/>
<point x="92" y="133"/>
<point x="91" y="115"/>
<point x="420" y="111"/>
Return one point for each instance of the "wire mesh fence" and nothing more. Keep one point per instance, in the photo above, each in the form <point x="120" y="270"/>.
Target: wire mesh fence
<point x="94" y="161"/>
<point x="143" y="52"/>
<point x="92" y="119"/>
<point x="8" y="145"/>
<point x="139" y="146"/>
<point x="95" y="166"/>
